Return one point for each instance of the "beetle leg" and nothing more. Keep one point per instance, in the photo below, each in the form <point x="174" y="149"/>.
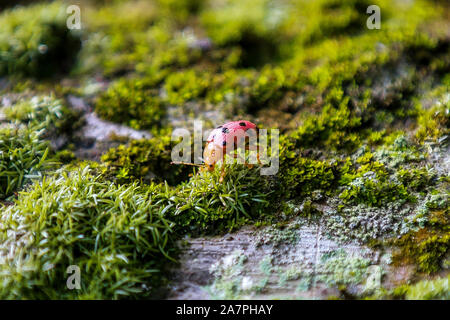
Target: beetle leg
<point x="257" y="155"/>
<point x="248" y="165"/>
<point x="259" y="160"/>
<point x="222" y="173"/>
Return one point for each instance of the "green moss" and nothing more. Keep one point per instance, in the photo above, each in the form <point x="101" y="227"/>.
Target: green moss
<point x="186" y="86"/>
<point x="22" y="157"/>
<point x="367" y="179"/>
<point x="207" y="205"/>
<point x="399" y="150"/>
<point x="294" y="273"/>
<point x="113" y="38"/>
<point x="64" y="156"/>
<point x="146" y="39"/>
<point x="145" y="160"/>
<point x="116" y="235"/>
<point x="348" y="99"/>
<point x="132" y="102"/>
<point x="23" y="146"/>
<point x="301" y="176"/>
<point x="375" y="180"/>
<point x="435" y="289"/>
<point x="425" y="248"/>
<point x="369" y="189"/>
<point x="35" y="41"/>
<point x="203" y="204"/>
<point x="426" y="245"/>
<point x="45" y="113"/>
<point x="435" y="122"/>
<point x="416" y="179"/>
<point x="333" y="128"/>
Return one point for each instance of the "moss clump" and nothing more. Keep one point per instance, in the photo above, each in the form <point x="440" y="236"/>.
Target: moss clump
<point x="145" y="160"/>
<point x="23" y="147"/>
<point x="334" y="128"/>
<point x="301" y="176"/>
<point x="22" y="157"/>
<point x="205" y="205"/>
<point x="201" y="204"/>
<point x="146" y="39"/>
<point x="417" y="179"/>
<point x="131" y="102"/>
<point x="398" y="150"/>
<point x="369" y="181"/>
<point x="46" y="114"/>
<point x="435" y="122"/>
<point x="372" y="190"/>
<point x="121" y="235"/>
<point x="436" y="289"/>
<point x="426" y="248"/>
<point x="361" y="180"/>
<point x="117" y="235"/>
<point x="35" y="41"/>
<point x="185" y="86"/>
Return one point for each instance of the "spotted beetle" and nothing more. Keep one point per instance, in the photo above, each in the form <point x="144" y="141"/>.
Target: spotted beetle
<point x="222" y="137"/>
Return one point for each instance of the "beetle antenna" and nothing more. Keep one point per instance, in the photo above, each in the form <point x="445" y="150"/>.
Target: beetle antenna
<point x="186" y="163"/>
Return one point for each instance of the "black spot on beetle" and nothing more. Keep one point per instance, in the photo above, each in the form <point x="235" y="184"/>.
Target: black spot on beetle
<point x="219" y="127"/>
<point x="225" y="130"/>
<point x="224" y="143"/>
<point x="242" y="124"/>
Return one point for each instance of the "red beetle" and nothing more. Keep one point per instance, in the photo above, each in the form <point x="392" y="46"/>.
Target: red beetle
<point x="220" y="138"/>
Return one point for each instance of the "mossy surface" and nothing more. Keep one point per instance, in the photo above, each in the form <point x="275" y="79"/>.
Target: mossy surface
<point x="46" y="114"/>
<point x="145" y="160"/>
<point x="36" y="42"/>
<point x="22" y="157"/>
<point x="114" y="234"/>
<point x="132" y="102"/>
<point x="205" y="205"/>
<point x="436" y="289"/>
<point x="363" y="116"/>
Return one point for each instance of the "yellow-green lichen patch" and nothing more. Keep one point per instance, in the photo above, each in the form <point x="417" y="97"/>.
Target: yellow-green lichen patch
<point x="340" y="269"/>
<point x="426" y="245"/>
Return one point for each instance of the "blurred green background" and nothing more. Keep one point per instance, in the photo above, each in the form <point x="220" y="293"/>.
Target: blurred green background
<point x="363" y="115"/>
